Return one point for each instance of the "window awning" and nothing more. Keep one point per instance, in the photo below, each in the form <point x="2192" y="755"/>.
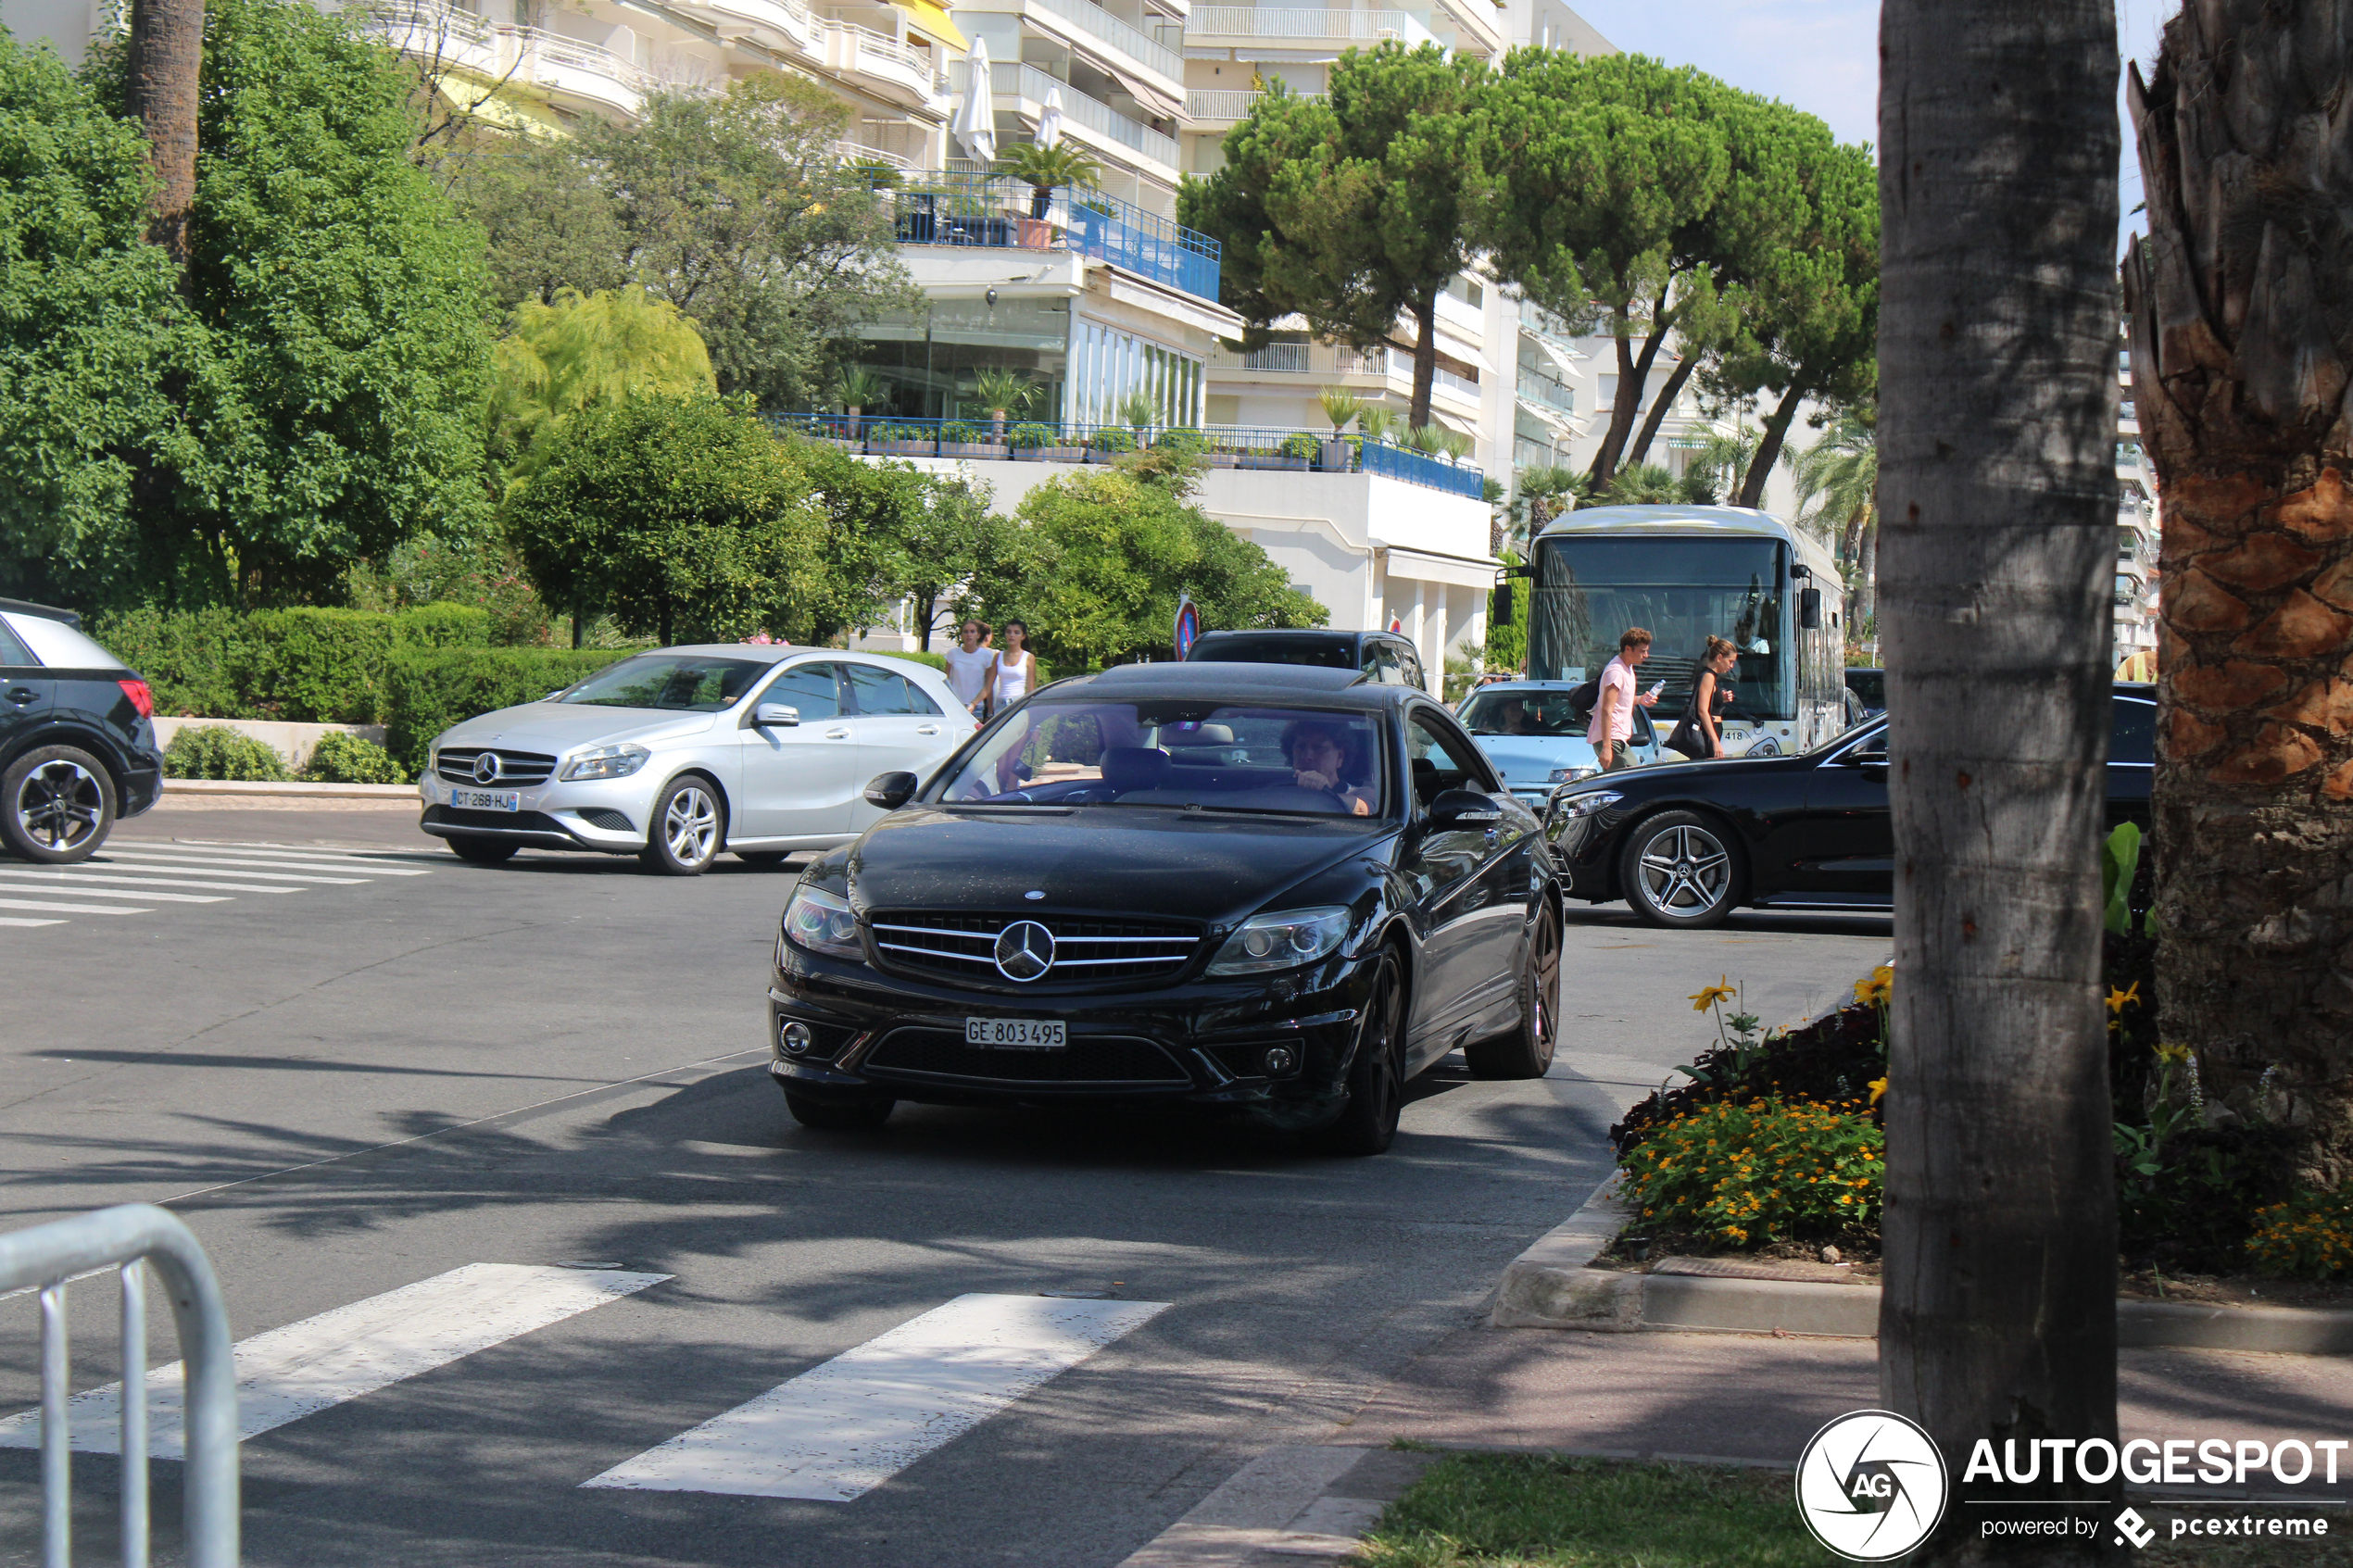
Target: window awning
<point x="930" y="18"/>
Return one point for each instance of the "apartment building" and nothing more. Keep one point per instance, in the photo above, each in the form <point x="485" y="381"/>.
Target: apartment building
<point x="2137" y="534"/>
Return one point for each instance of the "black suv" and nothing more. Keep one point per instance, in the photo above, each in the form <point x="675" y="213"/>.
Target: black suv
<point x="77" y="736"/>
<point x="1386" y="657"/>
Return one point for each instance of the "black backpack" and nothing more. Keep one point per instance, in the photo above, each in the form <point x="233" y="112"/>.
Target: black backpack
<point x="1583" y="698"/>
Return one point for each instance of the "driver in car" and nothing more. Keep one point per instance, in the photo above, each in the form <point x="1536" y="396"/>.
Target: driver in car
<point x="1323" y="758"/>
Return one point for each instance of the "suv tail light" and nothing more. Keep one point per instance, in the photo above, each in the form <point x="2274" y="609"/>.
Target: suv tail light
<point x="141" y="697"/>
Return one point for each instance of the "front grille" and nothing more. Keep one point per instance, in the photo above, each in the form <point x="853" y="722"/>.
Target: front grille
<point x="937" y="1054"/>
<point x="608" y="819"/>
<point x="507" y="822"/>
<point x="963" y="946"/>
<point x="516" y="770"/>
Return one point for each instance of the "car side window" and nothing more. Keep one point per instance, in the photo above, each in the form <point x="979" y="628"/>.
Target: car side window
<point x="880" y="693"/>
<point x="13" y="652"/>
<point x="1409" y="667"/>
<point x="1871" y="748"/>
<point x="810" y="687"/>
<point x="1441" y="760"/>
<point x="2134" y="739"/>
<point x="1372" y="662"/>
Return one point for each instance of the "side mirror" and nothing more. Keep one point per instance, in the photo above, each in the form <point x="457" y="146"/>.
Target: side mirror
<point x="1462" y="810"/>
<point x="1502" y="606"/>
<point x="776" y="715"/>
<point x="1810" y="608"/>
<point x="890" y="791"/>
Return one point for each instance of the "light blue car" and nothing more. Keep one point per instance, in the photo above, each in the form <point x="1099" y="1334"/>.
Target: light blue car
<point x="1537" y="741"/>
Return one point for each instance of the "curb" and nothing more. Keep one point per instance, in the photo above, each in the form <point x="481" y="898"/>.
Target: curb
<point x="292" y="790"/>
<point x="1293" y="1501"/>
<point x="1550" y="1286"/>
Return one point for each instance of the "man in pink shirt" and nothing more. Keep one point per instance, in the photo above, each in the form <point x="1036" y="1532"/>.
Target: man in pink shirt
<point x="1612" y="723"/>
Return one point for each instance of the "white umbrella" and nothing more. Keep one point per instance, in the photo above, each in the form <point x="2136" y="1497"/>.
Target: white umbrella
<point x="1050" y="123"/>
<point x="976" y="122"/>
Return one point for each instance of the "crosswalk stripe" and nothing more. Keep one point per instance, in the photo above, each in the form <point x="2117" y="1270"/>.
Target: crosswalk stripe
<point x="841" y="1429"/>
<point x="147" y="868"/>
<point x="53" y="878"/>
<point x="299" y="852"/>
<point x="70" y="909"/>
<point x="12" y="919"/>
<point x="173" y="858"/>
<point x="341" y="1354"/>
<point x="82" y="890"/>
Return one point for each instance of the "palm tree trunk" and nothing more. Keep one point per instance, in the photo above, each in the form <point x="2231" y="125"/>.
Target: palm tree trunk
<point x="2241" y="387"/>
<point x="1997" y="400"/>
<point x="1769" y="446"/>
<point x="1424" y="360"/>
<point x="167" y="66"/>
<point x="1640" y="450"/>
<point x="1866" y="569"/>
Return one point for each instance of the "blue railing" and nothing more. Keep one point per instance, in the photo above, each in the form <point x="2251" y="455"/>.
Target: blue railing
<point x="995" y="211"/>
<point x="1064" y="440"/>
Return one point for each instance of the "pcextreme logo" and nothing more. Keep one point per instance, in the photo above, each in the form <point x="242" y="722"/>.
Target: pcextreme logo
<point x="1871" y="1485"/>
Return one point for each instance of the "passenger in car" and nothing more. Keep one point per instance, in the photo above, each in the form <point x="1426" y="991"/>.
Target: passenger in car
<point x="1324" y="757"/>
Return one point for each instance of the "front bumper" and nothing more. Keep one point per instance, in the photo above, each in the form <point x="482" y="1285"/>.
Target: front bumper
<point x="605" y="815"/>
<point x="1199" y="1045"/>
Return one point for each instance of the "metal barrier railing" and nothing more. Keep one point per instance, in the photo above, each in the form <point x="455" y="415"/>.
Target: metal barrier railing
<point x="47" y="1259"/>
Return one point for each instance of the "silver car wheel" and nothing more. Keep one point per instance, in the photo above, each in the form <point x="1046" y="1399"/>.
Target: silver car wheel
<point x="61" y="804"/>
<point x="691" y="824"/>
<point x="1685" y="871"/>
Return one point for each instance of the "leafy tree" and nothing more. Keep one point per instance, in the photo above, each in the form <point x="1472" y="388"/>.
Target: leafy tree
<point x="1621" y="192"/>
<point x="582" y="350"/>
<point x="1352" y="211"/>
<point x="875" y="515"/>
<point x="949" y="543"/>
<point x="1997" y="400"/>
<point x="88" y="327"/>
<point x="551" y="223"/>
<point x="2241" y="317"/>
<point x="671" y="514"/>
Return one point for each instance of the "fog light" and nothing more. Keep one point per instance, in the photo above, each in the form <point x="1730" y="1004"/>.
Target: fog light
<point x="796" y="1039"/>
<point x="1280" y="1059"/>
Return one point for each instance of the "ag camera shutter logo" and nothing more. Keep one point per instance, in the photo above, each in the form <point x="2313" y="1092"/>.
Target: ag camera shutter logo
<point x="1871" y="1485"/>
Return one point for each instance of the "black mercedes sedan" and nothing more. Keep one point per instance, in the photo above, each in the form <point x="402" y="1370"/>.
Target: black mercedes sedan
<point x="1685" y="846"/>
<point x="1274" y="893"/>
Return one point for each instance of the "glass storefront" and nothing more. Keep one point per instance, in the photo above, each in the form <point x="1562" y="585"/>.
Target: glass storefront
<point x="1107" y="364"/>
<point x="928" y="360"/>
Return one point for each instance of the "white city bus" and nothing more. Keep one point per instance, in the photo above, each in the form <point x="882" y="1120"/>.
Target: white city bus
<point x="1685" y="573"/>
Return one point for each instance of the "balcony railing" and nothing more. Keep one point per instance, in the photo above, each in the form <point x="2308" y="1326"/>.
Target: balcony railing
<point x="996" y="212"/>
<point x="1089" y="114"/>
<point x="1064" y="440"/>
<point x="524" y="54"/>
<point x="1219" y="105"/>
<point x="1553" y="394"/>
<point x="1092" y="18"/>
<point x="1356" y="27"/>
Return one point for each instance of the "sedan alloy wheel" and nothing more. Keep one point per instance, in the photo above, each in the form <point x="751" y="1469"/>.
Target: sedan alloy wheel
<point x="1682" y="870"/>
<point x="689" y="826"/>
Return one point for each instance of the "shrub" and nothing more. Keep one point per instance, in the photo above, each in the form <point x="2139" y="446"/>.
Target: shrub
<point x="315" y="666"/>
<point x="1187" y="443"/>
<point x="1300" y="446"/>
<point x="956" y="429"/>
<point x="917" y="656"/>
<point x="1759" y="1170"/>
<point x="1029" y="437"/>
<point x="343" y="758"/>
<point x="443" y="626"/>
<point x="2310" y="1235"/>
<point x="318" y="666"/>
<point x="1112" y="440"/>
<point x="430" y="689"/>
<point x="191" y="658"/>
<point x="216" y="751"/>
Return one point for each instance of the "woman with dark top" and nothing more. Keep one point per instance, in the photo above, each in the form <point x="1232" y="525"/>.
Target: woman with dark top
<point x="1696" y="734"/>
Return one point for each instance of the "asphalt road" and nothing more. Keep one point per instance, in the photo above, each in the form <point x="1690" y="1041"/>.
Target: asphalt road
<point x="370" y="1082"/>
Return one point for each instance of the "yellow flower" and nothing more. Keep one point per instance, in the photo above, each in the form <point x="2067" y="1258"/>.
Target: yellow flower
<point x="2172" y="1053"/>
<point x="1708" y="996"/>
<point x="1873" y="988"/>
<point x="2117" y="1000"/>
<point x="1879" y="1087"/>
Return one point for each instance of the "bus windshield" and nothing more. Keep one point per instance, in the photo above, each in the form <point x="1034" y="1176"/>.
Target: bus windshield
<point x="1588" y="590"/>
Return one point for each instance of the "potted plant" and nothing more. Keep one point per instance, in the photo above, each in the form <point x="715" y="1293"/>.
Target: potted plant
<point x="1029" y="442"/>
<point x="1042" y="169"/>
<point x="1137" y="411"/>
<point x="902" y="441"/>
<point x="1109" y="444"/>
<point x="858" y="389"/>
<point x="1377" y="421"/>
<point x="1001" y="391"/>
<point x="1340" y="405"/>
<point x="957" y="439"/>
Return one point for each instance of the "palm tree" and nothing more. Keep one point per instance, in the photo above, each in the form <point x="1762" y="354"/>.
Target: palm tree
<point x="1838" y="498"/>
<point x="1997" y="391"/>
<point x="1378" y="421"/>
<point x="2236" y="373"/>
<point x="1644" y="485"/>
<point x="1542" y="495"/>
<point x="166" y="72"/>
<point x="1042" y="169"/>
<point x="1001" y="391"/>
<point x="857" y="390"/>
<point x="1340" y="405"/>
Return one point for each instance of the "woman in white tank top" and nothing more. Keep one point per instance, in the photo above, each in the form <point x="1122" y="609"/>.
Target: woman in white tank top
<point x="1013" y="674"/>
<point x="969" y="666"/>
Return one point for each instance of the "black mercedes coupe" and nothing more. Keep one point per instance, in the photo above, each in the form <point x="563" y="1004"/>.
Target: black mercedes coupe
<point x="1275" y="893"/>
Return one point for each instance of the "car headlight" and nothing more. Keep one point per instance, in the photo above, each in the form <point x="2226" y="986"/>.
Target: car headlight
<point x="1586" y="805"/>
<point x="605" y="763"/>
<point x="1283" y="940"/>
<point x="820" y="921"/>
<point x="1570" y="776"/>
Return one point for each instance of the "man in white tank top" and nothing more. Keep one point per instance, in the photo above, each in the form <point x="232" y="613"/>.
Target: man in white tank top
<point x="968" y="665"/>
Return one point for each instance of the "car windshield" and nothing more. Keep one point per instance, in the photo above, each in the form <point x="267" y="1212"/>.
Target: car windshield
<point x="1210" y="756"/>
<point x="1321" y="653"/>
<point x="1523" y="713"/>
<point x="674" y="682"/>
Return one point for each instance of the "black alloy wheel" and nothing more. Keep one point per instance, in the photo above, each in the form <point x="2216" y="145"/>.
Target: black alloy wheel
<point x="60" y="805"/>
<point x="835" y="1115"/>
<point x="1377" y="1077"/>
<point x="1527" y="1051"/>
<point x="690" y="826"/>
<point x="1682" y="870"/>
<point x="483" y="851"/>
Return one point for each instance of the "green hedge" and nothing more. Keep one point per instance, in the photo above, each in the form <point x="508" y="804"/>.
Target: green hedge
<point x="313" y="666"/>
<point x="430" y="689"/>
<point x="216" y="751"/>
<point x="343" y="758"/>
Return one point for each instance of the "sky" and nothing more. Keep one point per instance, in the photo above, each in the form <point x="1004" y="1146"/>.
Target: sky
<point x="1820" y="56"/>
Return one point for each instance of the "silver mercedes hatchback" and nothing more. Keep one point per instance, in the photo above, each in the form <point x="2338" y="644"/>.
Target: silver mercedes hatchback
<point x="678" y="754"/>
